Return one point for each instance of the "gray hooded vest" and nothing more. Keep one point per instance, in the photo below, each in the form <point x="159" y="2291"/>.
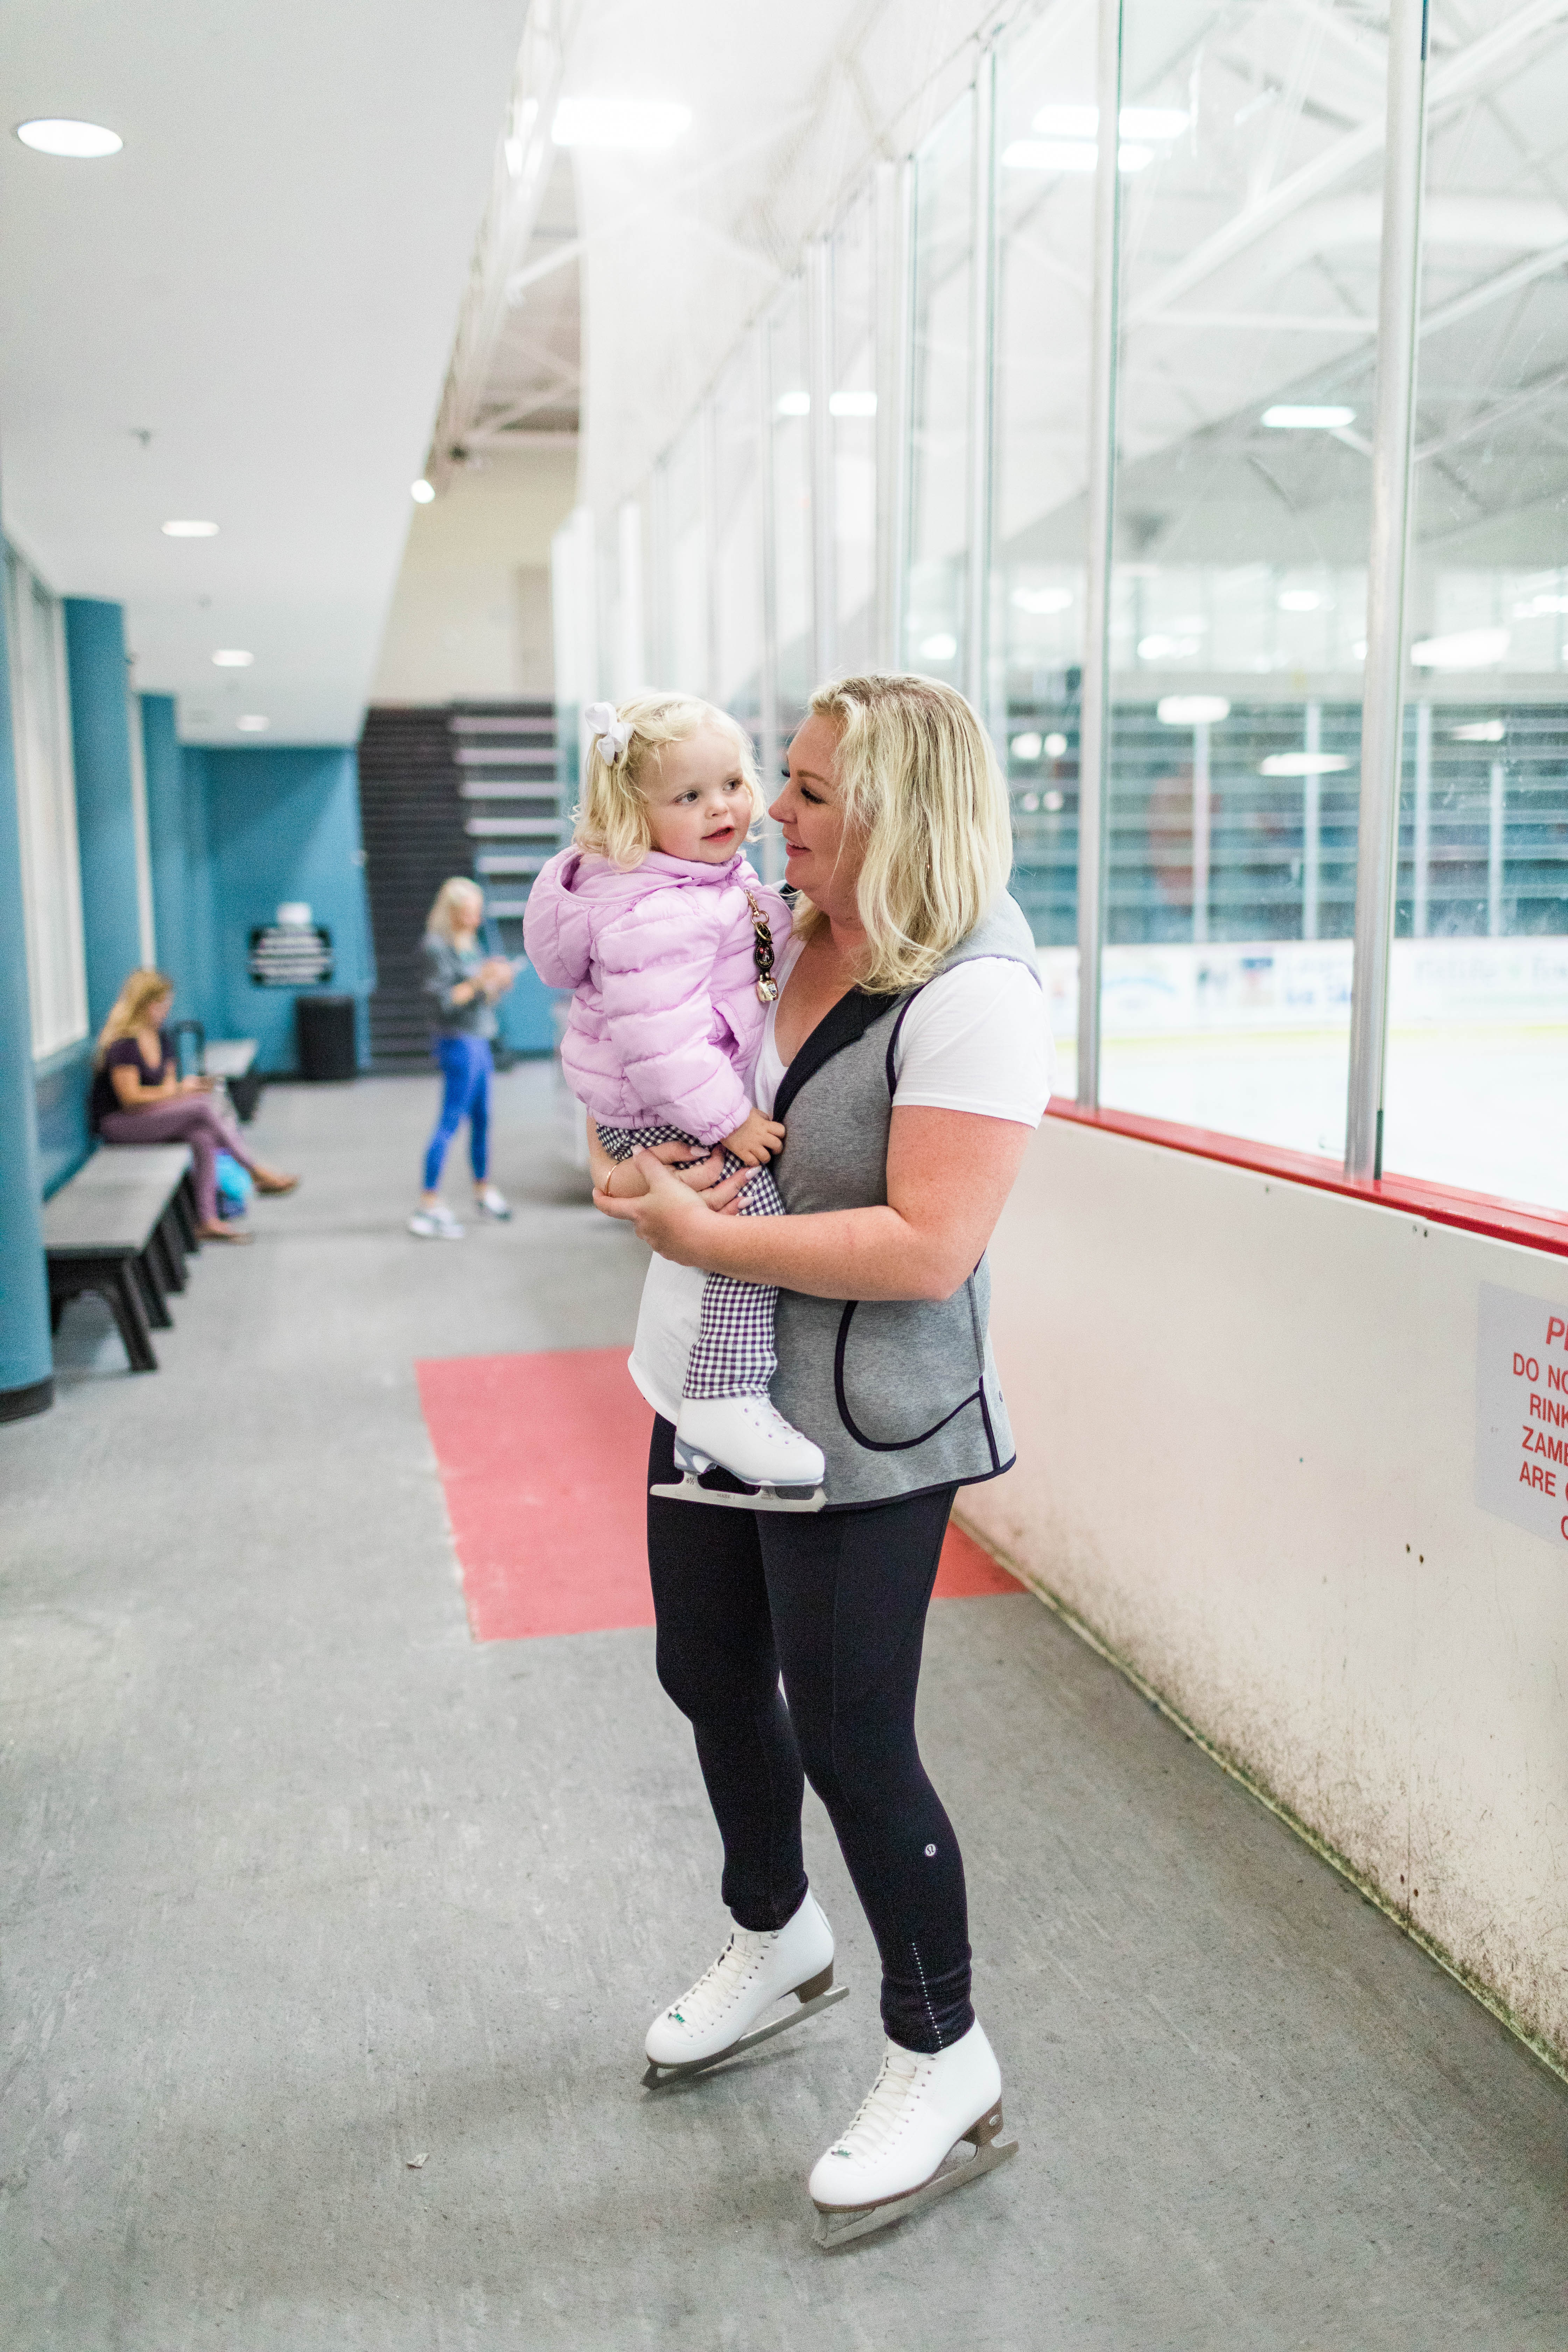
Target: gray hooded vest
<point x="900" y="1394"/>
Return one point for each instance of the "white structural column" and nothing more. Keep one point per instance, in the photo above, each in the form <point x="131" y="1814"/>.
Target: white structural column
<point x="768" y="750"/>
<point x="981" y="405"/>
<point x="1382" y="711"/>
<point x="1421" y="846"/>
<point x="1202" y="812"/>
<point x="895" y="224"/>
<point x="707" y="459"/>
<point x="1495" y="852"/>
<point x="1312" y="824"/>
<point x="1094" y="759"/>
<point x="823" y="518"/>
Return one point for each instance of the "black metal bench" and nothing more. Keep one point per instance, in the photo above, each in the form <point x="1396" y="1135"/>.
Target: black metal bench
<point x="123" y="1227"/>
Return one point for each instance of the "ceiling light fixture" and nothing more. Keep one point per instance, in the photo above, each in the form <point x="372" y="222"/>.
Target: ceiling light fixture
<point x="253" y="723"/>
<point x="1042" y="600"/>
<point x="190" y="530"/>
<point x="1299" y="600"/>
<point x="1465" y="649"/>
<point x="794" y="404"/>
<point x="83" y="141"/>
<point x="1485" y="731"/>
<point x="1056" y="746"/>
<point x="638" y="126"/>
<point x="422" y="492"/>
<point x="1192" y="709"/>
<point x="942" y="647"/>
<point x="1025" y="747"/>
<point x="1288" y="419"/>
<point x="852" y="404"/>
<point x="1167" y="648"/>
<point x="1135" y="121"/>
<point x="231" y="658"/>
<point x="1303" y="763"/>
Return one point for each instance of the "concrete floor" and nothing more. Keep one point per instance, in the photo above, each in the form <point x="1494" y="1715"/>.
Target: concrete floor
<point x="297" y="1883"/>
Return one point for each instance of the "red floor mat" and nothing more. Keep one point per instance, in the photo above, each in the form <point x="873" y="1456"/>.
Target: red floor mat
<point x="543" y="1460"/>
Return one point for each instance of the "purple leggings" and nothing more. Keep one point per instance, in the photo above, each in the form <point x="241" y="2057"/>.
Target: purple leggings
<point x="195" y="1121"/>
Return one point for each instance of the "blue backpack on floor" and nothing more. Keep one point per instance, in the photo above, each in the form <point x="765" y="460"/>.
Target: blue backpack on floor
<point x="235" y="1186"/>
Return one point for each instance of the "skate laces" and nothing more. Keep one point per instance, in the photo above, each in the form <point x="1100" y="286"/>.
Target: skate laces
<point x="720" y="1987"/>
<point x="883" y="2110"/>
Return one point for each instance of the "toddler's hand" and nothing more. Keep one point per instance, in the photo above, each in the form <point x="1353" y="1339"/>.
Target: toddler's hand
<point x="756" y="1139"/>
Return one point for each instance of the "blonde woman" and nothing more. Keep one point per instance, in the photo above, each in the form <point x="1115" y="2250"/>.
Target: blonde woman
<point x="462" y="986"/>
<point x="139" y="1096"/>
<point x="910" y="1057"/>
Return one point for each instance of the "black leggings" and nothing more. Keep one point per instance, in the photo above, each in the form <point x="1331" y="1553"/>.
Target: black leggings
<point x="837" y="1601"/>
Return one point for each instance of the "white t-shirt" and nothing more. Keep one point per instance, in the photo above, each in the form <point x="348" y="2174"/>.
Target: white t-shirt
<point x="975" y="1039"/>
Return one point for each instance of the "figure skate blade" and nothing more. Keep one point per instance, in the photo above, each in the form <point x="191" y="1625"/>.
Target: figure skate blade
<point x="838" y="2224"/>
<point x="659" y="2078"/>
<point x="690" y="1488"/>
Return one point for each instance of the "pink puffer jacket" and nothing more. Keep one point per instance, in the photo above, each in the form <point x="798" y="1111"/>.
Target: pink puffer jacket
<point x="665" y="1022"/>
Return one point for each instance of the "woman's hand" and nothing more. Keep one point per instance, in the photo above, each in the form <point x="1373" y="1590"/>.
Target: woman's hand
<point x="672" y="1218"/>
<point x="623" y="1179"/>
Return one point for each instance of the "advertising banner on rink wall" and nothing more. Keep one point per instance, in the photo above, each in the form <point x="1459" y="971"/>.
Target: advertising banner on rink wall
<point x="1521" y="1412"/>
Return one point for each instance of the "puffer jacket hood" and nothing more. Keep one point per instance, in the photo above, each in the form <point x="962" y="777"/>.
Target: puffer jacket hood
<point x="665" y="1022"/>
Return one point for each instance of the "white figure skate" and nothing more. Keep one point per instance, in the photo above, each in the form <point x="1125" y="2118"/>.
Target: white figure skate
<point x="903" y="2149"/>
<point x="779" y="1469"/>
<point x="717" y="2018"/>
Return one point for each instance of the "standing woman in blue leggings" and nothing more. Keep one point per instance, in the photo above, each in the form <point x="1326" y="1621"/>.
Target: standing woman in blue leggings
<point x="462" y="986"/>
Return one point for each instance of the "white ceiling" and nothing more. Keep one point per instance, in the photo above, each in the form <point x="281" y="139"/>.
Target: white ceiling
<point x="265" y="282"/>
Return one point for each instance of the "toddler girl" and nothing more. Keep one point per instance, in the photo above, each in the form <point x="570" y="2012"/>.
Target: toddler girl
<point x="664" y="933"/>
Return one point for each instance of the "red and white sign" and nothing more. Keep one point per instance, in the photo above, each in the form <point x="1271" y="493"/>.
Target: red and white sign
<point x="1521" y="1412"/>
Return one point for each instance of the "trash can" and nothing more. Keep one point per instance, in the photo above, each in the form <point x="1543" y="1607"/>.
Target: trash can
<point x="324" y="1027"/>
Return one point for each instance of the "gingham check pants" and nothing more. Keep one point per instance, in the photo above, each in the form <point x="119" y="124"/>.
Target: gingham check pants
<point x="735" y="1351"/>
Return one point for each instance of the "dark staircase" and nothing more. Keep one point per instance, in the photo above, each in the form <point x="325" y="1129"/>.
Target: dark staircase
<point x="465" y="789"/>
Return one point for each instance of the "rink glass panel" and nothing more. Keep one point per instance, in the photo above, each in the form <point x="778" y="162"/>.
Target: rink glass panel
<point x="1477" y="1071"/>
<point x="789" y="414"/>
<point x="939" y="457"/>
<point x="1237" y="615"/>
<point x="1040" y="395"/>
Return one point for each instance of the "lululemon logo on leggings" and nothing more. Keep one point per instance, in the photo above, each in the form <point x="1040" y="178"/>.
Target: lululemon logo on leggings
<point x="930" y="1851"/>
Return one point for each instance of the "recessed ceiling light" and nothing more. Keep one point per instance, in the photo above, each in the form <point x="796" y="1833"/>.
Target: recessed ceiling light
<point x="1167" y="648"/>
<point x="1056" y="745"/>
<point x="1070" y="155"/>
<point x="190" y="530"/>
<point x="1042" y="600"/>
<point x="1299" y="600"/>
<point x="1026" y="747"/>
<point x="53" y="135"/>
<point x="942" y="647"/>
<point x="851" y="404"/>
<point x="230" y="657"/>
<point x="422" y="492"/>
<point x="1053" y="802"/>
<point x="1192" y="710"/>
<point x="254" y="724"/>
<point x="1286" y="419"/>
<point x="1485" y="731"/>
<point x="1136" y="121"/>
<point x="641" y="126"/>
<point x="794" y="404"/>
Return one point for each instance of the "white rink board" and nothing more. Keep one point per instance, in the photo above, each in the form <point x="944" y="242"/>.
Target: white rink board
<point x="1246" y="1414"/>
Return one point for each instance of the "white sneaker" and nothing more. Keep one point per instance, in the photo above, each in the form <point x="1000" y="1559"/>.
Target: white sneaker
<point x="748" y="1436"/>
<point x="755" y="1970"/>
<point x="915" y="2114"/>
<point x="437" y="1224"/>
<point x="491" y="1204"/>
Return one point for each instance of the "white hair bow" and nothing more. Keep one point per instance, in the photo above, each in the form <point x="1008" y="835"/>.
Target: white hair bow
<point x="612" y="736"/>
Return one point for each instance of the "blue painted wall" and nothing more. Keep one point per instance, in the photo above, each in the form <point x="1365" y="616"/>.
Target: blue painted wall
<point x="277" y="825"/>
<point x="26" y="1363"/>
<point x="106" y="824"/>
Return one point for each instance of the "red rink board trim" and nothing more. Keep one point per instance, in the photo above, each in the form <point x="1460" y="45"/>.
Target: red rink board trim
<point x="543" y="1460"/>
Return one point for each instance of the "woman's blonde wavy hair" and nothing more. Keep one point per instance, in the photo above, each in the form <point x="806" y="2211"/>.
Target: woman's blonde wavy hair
<point x="611" y="816"/>
<point x="443" y="917"/>
<point x="919" y="784"/>
<point x="130" y="1008"/>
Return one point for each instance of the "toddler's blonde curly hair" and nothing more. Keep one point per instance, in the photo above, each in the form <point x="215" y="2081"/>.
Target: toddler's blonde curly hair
<point x="611" y="816"/>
